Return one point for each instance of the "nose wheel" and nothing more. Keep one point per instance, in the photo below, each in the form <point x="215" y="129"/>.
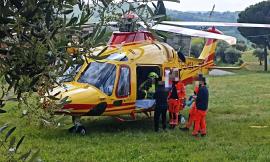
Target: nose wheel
<point x="78" y="127"/>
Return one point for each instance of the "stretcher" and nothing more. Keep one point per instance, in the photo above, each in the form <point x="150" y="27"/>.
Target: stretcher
<point x="145" y="104"/>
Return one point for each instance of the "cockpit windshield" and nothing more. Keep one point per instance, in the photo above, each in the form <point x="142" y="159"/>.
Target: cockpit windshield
<point x="100" y="75"/>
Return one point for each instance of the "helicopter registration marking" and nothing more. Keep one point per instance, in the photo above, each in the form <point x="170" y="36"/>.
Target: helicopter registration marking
<point x="188" y="65"/>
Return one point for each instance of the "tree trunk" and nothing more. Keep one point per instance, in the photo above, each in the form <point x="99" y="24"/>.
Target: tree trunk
<point x="265" y="57"/>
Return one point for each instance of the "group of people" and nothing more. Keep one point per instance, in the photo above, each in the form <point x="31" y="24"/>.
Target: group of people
<point x="173" y="100"/>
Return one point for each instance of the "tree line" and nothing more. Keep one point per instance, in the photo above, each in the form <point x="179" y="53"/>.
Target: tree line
<point x="260" y="38"/>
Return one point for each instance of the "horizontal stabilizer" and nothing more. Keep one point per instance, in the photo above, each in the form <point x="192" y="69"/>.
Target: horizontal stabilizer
<point x="229" y="68"/>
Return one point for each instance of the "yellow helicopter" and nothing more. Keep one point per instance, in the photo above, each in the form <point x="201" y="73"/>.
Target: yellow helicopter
<point x="108" y="85"/>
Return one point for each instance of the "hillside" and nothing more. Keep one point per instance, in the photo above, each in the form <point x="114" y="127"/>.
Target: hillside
<point x="204" y="16"/>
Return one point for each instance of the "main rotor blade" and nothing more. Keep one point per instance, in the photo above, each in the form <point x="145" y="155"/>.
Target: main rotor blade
<point x="190" y="23"/>
<point x="195" y="33"/>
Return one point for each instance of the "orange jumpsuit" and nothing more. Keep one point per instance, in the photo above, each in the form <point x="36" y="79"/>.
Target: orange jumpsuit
<point x="191" y="117"/>
<point x="176" y="104"/>
<point x="181" y="91"/>
<point x="192" y="111"/>
<point x="200" y="122"/>
<point x="201" y="111"/>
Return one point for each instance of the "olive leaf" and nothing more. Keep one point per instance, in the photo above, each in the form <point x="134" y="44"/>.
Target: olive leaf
<point x="9" y="133"/>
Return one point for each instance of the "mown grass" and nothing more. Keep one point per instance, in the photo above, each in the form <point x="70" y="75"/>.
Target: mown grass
<point x="252" y="61"/>
<point x="236" y="103"/>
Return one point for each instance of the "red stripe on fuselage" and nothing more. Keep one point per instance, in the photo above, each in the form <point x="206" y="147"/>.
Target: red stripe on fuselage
<point x="90" y="106"/>
<point x="78" y="106"/>
<point x="127" y="108"/>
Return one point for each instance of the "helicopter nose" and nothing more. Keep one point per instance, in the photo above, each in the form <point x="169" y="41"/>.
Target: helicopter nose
<point x="85" y="100"/>
<point x="86" y="109"/>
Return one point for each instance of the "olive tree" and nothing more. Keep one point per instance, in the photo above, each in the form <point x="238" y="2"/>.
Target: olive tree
<point x="258" y="13"/>
<point x="33" y="42"/>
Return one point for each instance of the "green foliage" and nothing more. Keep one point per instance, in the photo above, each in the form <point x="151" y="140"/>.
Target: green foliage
<point x="33" y="44"/>
<point x="259" y="53"/>
<point x="33" y="59"/>
<point x="220" y="51"/>
<point x="253" y="45"/>
<point x="227" y="54"/>
<point x="10" y="150"/>
<point x="258" y="13"/>
<point x="241" y="46"/>
<point x="34" y="37"/>
<point x="197" y="45"/>
<point x="42" y="114"/>
<point x="232" y="55"/>
<point x="224" y="52"/>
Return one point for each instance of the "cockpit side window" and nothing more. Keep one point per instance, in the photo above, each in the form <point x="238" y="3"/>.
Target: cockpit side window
<point x="123" y="87"/>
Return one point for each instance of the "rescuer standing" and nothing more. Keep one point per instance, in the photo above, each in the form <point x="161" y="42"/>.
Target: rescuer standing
<point x="202" y="106"/>
<point x="191" y="102"/>
<point x="176" y="101"/>
<point x="160" y="96"/>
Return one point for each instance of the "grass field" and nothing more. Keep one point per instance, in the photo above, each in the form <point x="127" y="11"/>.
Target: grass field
<point x="253" y="63"/>
<point x="236" y="103"/>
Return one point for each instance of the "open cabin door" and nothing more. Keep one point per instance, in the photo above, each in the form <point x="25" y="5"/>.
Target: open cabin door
<point x="143" y="102"/>
<point x="142" y="72"/>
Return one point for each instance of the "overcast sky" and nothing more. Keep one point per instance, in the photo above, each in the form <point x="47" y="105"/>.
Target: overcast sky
<point x="206" y="5"/>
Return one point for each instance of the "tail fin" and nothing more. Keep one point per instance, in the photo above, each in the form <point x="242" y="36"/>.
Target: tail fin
<point x="208" y="52"/>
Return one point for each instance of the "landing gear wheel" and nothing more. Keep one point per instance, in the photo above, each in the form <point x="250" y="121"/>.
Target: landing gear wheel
<point x="81" y="130"/>
<point x="78" y="127"/>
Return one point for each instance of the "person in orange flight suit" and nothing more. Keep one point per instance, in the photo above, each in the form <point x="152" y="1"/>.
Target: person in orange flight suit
<point x="181" y="90"/>
<point x="192" y="111"/>
<point x="202" y="106"/>
<point x="176" y="101"/>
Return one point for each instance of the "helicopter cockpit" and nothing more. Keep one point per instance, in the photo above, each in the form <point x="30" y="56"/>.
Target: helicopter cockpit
<point x="100" y="75"/>
<point x="103" y="76"/>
